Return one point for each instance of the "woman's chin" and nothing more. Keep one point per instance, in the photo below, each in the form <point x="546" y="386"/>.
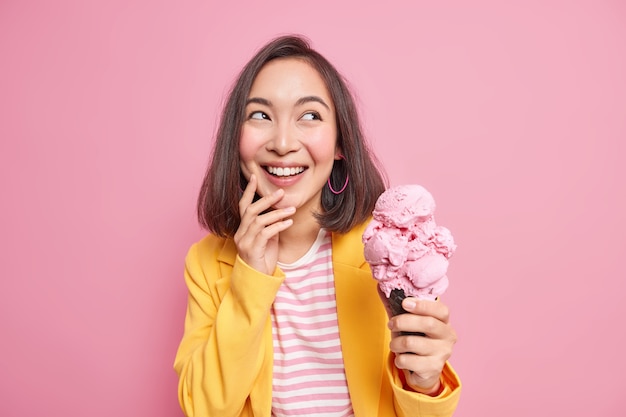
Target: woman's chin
<point x="283" y="204"/>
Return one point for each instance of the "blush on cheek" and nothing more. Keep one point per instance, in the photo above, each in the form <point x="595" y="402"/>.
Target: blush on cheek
<point x="250" y="141"/>
<point x="323" y="147"/>
<point x="247" y="152"/>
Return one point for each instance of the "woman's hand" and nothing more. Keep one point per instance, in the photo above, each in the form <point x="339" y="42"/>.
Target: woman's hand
<point x="257" y="236"/>
<point x="422" y="358"/>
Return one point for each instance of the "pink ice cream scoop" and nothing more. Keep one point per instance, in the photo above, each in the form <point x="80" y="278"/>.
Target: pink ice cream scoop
<point x="407" y="252"/>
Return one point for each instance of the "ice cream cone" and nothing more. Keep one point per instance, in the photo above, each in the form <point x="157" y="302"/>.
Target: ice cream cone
<point x="395" y="305"/>
<point x="407" y="251"/>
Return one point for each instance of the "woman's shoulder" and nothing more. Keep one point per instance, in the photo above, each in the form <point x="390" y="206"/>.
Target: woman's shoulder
<point x="212" y="248"/>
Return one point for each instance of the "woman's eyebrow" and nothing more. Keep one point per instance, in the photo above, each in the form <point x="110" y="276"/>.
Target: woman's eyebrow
<point x="259" y="100"/>
<point x="299" y="102"/>
<point x="308" y="99"/>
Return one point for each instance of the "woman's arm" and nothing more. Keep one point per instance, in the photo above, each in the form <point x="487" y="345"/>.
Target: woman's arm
<point x="223" y="348"/>
<point x="227" y="323"/>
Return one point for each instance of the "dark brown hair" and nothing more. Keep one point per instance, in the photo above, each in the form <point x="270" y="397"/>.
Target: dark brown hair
<point x="218" y="208"/>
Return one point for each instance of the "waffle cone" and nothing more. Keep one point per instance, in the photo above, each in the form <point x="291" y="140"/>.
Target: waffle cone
<point x="395" y="305"/>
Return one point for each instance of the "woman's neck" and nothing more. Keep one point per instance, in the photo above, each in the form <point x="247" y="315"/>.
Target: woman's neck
<point x="294" y="242"/>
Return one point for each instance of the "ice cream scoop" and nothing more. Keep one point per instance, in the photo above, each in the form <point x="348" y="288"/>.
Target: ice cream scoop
<point x="407" y="251"/>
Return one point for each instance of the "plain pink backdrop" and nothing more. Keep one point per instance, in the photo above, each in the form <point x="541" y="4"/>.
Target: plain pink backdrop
<point x="512" y="115"/>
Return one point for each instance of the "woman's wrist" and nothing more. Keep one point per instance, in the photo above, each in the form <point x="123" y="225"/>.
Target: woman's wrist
<point x="433" y="391"/>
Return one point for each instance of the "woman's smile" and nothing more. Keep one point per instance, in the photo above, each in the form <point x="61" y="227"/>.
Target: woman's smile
<point x="284" y="171"/>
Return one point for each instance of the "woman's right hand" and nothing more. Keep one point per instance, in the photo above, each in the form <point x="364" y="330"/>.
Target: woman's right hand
<point x="257" y="236"/>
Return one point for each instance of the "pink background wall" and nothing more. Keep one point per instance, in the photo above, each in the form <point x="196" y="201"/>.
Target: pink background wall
<point x="514" y="116"/>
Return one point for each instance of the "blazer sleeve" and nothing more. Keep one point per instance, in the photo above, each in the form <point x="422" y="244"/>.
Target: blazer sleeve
<point x="222" y="350"/>
<point x="409" y="403"/>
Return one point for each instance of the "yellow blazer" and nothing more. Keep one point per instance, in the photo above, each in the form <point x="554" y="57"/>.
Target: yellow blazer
<point x="225" y="358"/>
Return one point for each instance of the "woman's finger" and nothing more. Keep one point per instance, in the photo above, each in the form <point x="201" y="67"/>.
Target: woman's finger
<point x="428" y="325"/>
<point x="435" y="309"/>
<point x="249" y="209"/>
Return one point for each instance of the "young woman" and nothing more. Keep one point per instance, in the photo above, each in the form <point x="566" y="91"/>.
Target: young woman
<point x="284" y="317"/>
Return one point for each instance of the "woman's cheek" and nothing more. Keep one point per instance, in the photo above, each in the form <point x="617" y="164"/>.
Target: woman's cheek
<point x="323" y="147"/>
<point x="249" y="144"/>
<point x="247" y="147"/>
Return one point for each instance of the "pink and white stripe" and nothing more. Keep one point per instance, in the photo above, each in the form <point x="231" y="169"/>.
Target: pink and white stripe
<point x="309" y="377"/>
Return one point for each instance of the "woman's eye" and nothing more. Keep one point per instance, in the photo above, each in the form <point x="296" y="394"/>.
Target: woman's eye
<point x="259" y="115"/>
<point x="311" y="116"/>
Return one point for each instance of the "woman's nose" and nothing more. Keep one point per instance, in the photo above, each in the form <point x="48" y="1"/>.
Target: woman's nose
<point x="284" y="140"/>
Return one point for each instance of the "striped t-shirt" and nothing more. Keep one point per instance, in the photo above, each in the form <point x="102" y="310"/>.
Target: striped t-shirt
<point x="309" y="376"/>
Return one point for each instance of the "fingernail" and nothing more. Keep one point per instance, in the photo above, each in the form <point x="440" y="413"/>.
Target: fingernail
<point x="290" y="209"/>
<point x="409" y="304"/>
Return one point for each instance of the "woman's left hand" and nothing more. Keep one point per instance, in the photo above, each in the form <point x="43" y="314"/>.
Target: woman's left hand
<point x="422" y="358"/>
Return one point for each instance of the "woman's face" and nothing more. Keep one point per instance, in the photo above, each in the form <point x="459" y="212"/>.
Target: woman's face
<point x="289" y="136"/>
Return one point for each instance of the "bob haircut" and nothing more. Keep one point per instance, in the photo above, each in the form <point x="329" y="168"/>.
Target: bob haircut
<point x="218" y="201"/>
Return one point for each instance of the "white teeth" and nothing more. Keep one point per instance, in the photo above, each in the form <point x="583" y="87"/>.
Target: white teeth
<point x="284" y="172"/>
